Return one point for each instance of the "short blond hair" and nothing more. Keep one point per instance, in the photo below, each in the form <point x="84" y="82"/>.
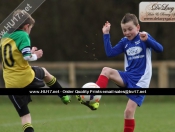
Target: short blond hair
<point x="24" y="18"/>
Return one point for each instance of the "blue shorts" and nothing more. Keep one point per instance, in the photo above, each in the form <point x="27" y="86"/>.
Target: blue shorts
<point x="138" y="99"/>
<point x="130" y="82"/>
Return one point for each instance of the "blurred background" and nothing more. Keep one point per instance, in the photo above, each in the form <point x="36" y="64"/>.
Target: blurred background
<point x="69" y="32"/>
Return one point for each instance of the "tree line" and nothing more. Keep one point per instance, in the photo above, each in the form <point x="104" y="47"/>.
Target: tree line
<point x="70" y="30"/>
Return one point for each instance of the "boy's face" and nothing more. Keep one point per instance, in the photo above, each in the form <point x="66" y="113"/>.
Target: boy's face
<point x="130" y="30"/>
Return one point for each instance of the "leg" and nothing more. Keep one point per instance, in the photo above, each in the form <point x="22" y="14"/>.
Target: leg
<point x="106" y="74"/>
<point x="130" y="109"/>
<point x="52" y="82"/>
<point x="109" y="74"/>
<point x="129" y="121"/>
<point x="41" y="74"/>
<point x="21" y="105"/>
<point x="26" y="121"/>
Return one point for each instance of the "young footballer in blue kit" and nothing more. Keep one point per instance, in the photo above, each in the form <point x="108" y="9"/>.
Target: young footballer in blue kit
<point x="137" y="47"/>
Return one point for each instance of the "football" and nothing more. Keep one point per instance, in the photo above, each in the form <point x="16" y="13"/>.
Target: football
<point x="90" y="98"/>
<point x="90" y="85"/>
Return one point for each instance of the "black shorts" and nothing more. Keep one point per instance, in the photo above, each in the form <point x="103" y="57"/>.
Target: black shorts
<point x="20" y="102"/>
<point x="38" y="80"/>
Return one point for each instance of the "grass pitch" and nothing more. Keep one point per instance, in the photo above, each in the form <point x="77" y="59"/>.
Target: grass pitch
<point x="52" y="116"/>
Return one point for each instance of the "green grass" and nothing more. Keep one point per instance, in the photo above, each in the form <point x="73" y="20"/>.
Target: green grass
<point x="52" y="116"/>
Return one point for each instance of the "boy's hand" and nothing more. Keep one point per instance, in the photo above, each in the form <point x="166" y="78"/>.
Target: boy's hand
<point x="143" y="36"/>
<point x="39" y="53"/>
<point x="33" y="50"/>
<point x="106" y="28"/>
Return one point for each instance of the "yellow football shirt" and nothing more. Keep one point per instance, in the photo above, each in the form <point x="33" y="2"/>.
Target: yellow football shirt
<point x="17" y="72"/>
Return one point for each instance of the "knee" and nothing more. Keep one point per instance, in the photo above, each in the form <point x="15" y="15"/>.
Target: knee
<point x="45" y="72"/>
<point x="129" y="113"/>
<point x="44" y="69"/>
<point x="48" y="77"/>
<point x="106" y="71"/>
